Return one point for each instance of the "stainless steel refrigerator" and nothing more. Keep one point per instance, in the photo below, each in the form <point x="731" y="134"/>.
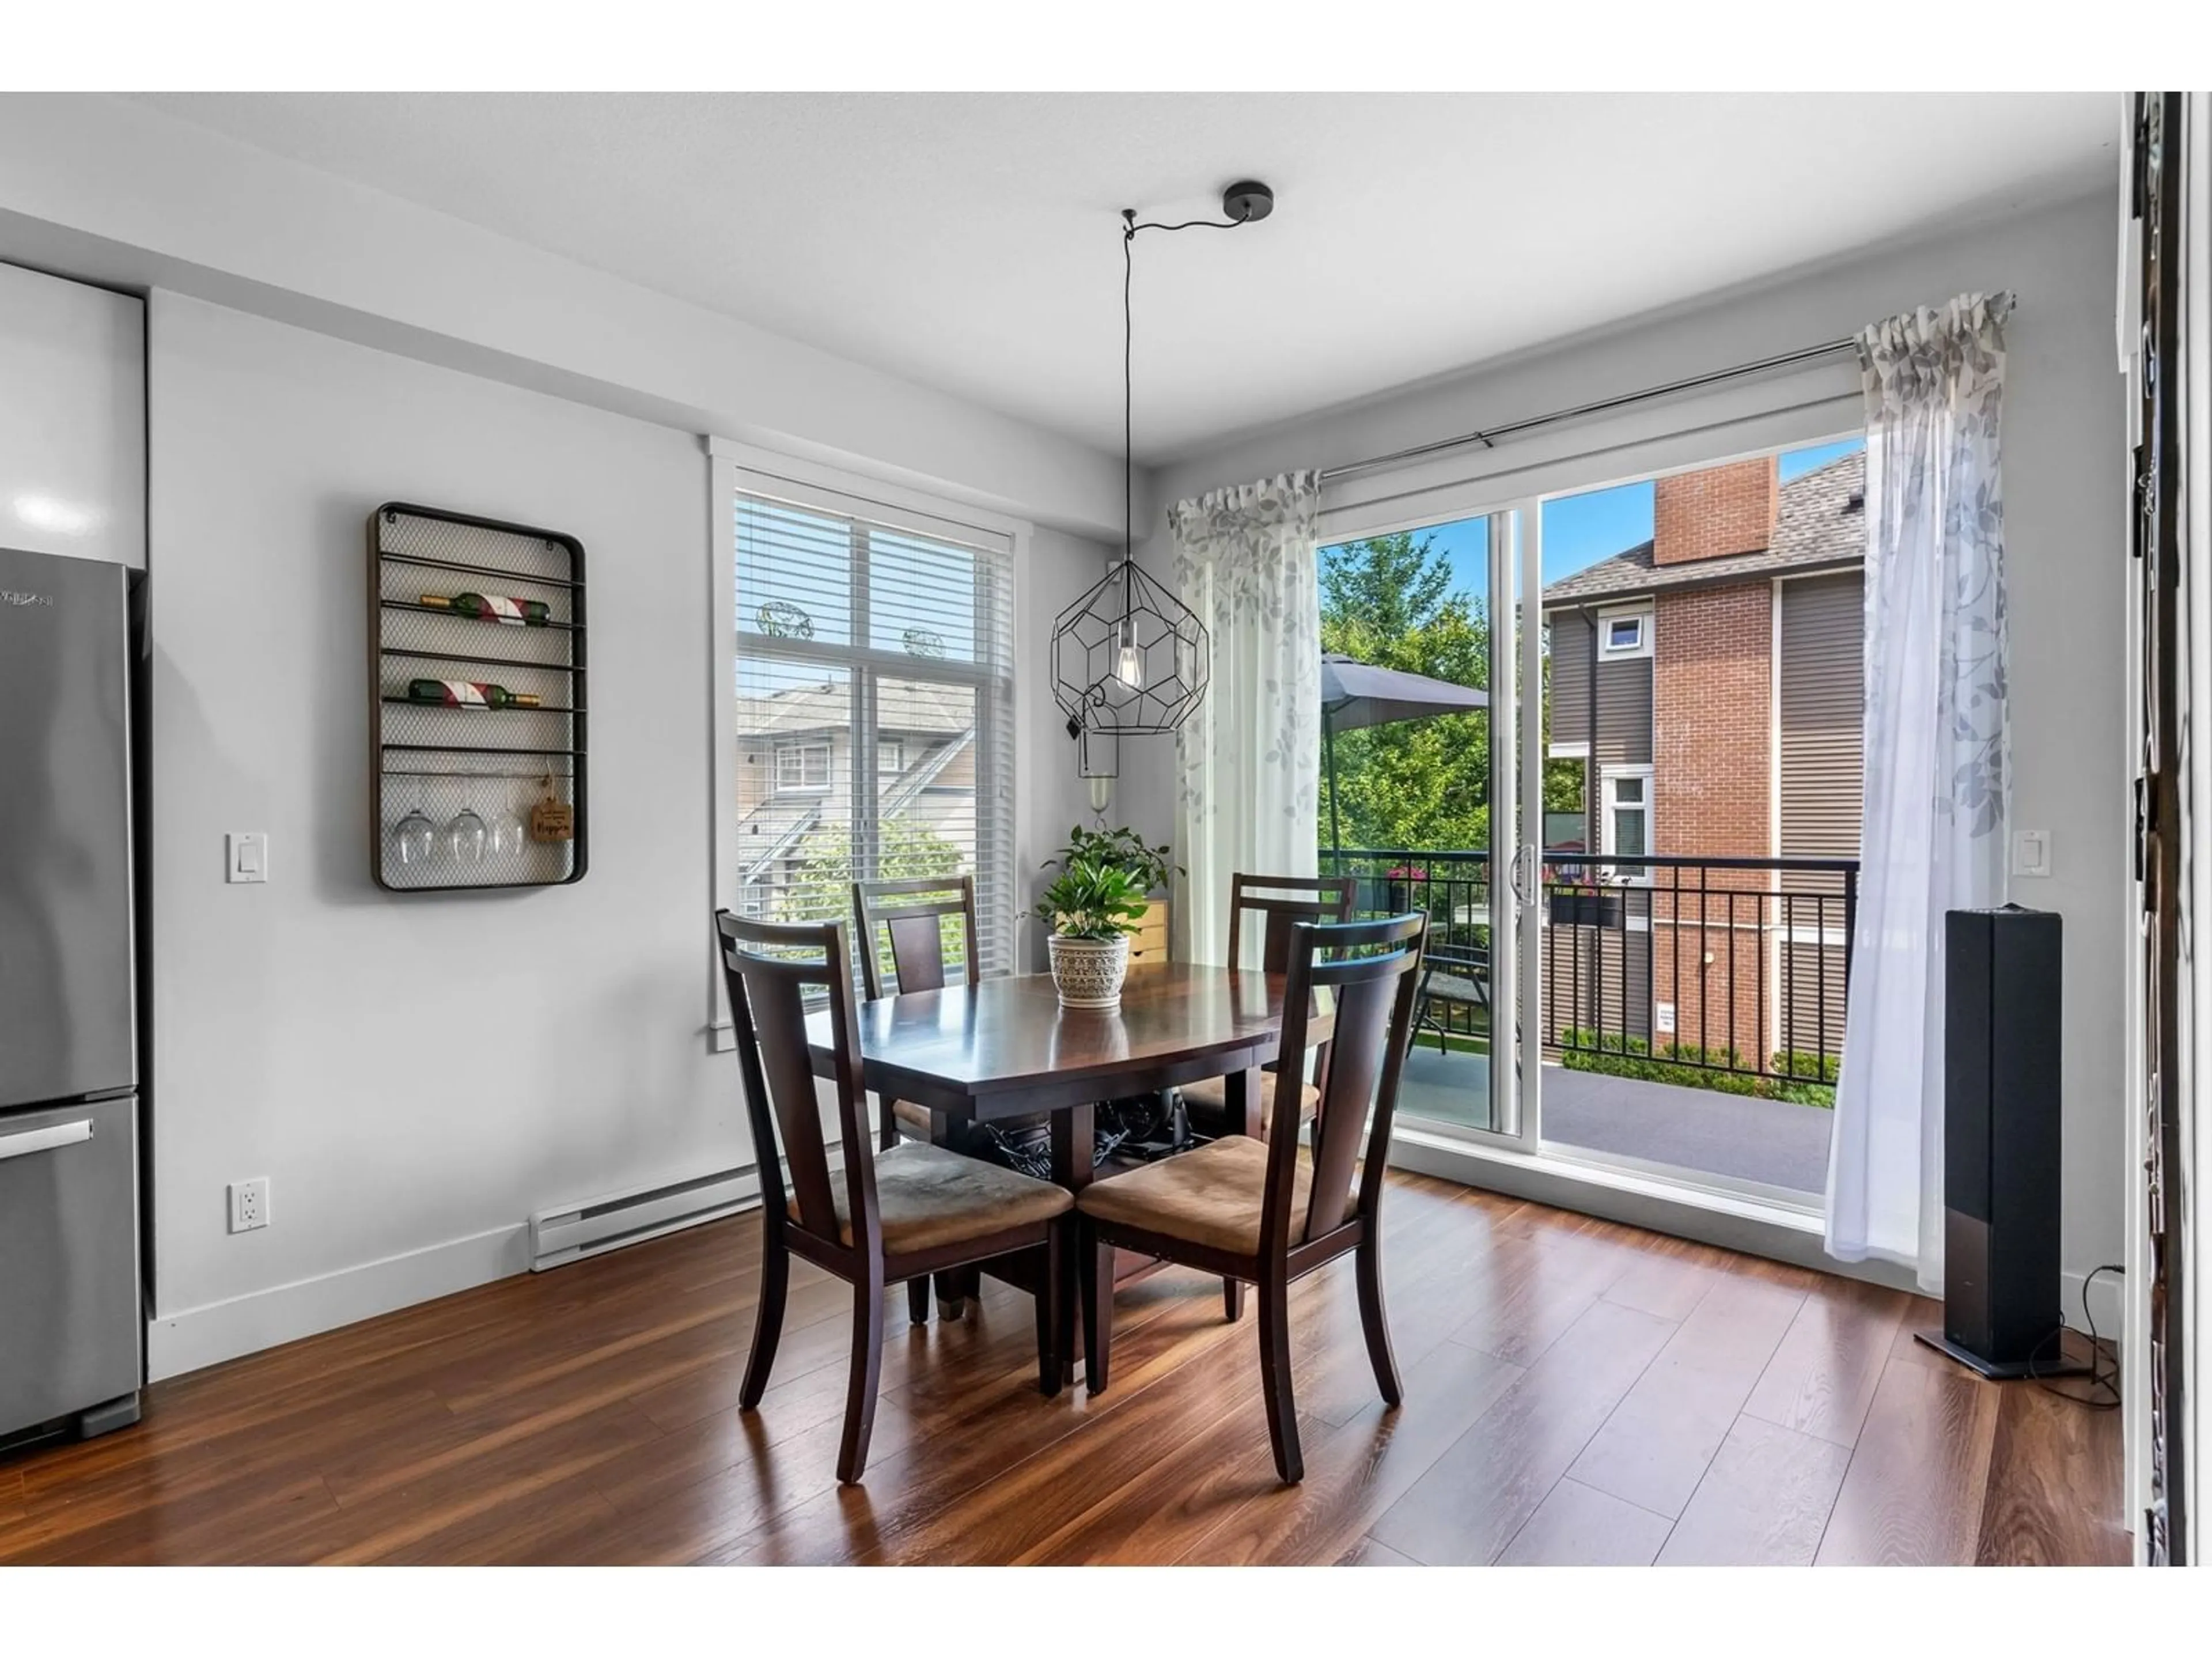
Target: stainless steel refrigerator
<point x="71" y="1329"/>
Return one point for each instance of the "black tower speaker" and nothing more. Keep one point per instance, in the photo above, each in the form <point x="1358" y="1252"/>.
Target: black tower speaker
<point x="2001" y="1143"/>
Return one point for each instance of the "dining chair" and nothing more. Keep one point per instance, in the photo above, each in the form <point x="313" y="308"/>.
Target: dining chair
<point x="908" y="916"/>
<point x="899" y="1214"/>
<point x="1267" y="1213"/>
<point x="1284" y="901"/>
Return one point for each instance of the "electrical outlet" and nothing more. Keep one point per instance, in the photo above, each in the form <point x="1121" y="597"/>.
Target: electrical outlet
<point x="249" y="1204"/>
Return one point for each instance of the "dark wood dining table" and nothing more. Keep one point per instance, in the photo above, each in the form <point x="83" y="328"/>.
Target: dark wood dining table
<point x="1006" y="1049"/>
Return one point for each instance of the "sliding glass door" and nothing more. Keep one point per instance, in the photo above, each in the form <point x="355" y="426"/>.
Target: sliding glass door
<point x="1638" y="859"/>
<point x="1690" y="768"/>
<point x="1418" y="787"/>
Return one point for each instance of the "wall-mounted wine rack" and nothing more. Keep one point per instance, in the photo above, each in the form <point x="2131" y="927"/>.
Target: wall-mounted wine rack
<point x="470" y="790"/>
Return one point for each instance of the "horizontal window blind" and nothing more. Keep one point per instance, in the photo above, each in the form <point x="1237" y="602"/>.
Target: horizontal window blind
<point x="880" y="644"/>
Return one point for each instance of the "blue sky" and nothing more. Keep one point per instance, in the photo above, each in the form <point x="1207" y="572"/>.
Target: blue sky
<point x="1580" y="530"/>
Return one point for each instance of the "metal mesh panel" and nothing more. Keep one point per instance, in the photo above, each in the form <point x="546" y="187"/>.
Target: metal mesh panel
<point x="456" y="784"/>
<point x="554" y="688"/>
<point x="415" y="535"/>
<point x="443" y="787"/>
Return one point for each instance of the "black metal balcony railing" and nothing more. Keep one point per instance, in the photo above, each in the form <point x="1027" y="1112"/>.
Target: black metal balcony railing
<point x="1737" y="969"/>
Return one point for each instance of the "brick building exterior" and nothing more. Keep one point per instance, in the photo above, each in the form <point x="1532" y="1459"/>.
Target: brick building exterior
<point x="1702" y="737"/>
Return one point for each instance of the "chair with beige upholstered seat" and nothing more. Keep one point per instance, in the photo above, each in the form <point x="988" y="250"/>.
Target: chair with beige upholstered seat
<point x="909" y="917"/>
<point x="1284" y="900"/>
<point x="1268" y="1212"/>
<point x="906" y="919"/>
<point x="903" y="1213"/>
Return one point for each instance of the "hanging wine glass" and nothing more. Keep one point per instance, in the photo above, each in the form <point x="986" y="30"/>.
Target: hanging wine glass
<point x="466" y="838"/>
<point x="414" y="838"/>
<point x="508" y="832"/>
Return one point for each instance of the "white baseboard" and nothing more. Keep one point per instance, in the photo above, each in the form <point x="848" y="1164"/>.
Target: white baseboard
<point x="195" y="1337"/>
<point x="1732" y="1223"/>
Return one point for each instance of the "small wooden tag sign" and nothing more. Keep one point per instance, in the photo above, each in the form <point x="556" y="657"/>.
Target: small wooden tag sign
<point x="552" y="820"/>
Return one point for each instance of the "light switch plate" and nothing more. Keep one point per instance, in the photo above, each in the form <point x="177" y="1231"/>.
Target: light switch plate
<point x="246" y="854"/>
<point x="2030" y="852"/>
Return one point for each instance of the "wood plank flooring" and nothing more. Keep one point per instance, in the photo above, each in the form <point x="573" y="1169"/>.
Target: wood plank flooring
<point x="1575" y="1392"/>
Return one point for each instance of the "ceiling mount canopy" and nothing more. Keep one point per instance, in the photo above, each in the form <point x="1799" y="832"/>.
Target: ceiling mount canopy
<point x="1129" y="659"/>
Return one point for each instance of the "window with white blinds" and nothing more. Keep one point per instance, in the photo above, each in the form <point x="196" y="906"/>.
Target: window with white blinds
<point x="874" y="718"/>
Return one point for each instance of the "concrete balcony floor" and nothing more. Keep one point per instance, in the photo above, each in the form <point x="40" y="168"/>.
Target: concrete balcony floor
<point x="1774" y="1143"/>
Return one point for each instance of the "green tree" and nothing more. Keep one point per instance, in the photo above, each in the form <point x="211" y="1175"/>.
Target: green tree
<point x="1422" y="785"/>
<point x="821" y="885"/>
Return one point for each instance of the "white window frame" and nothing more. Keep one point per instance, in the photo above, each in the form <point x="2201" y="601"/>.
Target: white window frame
<point x="1634" y="875"/>
<point x="800" y="748"/>
<point x="735" y="468"/>
<point x="1638" y="614"/>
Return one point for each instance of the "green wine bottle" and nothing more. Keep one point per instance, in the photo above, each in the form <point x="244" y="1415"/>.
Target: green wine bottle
<point x="497" y="607"/>
<point x="468" y="694"/>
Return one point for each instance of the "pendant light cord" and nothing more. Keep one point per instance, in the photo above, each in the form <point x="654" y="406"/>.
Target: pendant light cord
<point x="1129" y="407"/>
<point x="1130" y="227"/>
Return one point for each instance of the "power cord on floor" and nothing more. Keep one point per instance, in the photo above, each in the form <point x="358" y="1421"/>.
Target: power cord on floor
<point x="2104" y="1393"/>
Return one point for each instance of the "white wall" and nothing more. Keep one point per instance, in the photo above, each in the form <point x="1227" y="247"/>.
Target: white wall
<point x="409" y="1073"/>
<point x="417" y="1075"/>
<point x="112" y="191"/>
<point x="2064" y="479"/>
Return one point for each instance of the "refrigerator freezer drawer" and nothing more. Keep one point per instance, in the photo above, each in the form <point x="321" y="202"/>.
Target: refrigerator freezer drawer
<point x="71" y="1328"/>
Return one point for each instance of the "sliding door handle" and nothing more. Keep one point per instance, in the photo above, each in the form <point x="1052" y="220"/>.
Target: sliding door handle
<point x="45" y="1140"/>
<point x="1525" y="865"/>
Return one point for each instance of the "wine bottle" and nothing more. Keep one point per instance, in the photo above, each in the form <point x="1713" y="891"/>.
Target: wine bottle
<point x="495" y="607"/>
<point x="468" y="694"/>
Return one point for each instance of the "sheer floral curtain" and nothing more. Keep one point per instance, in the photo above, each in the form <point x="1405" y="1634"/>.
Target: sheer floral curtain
<point x="1938" y="780"/>
<point x="1248" y="759"/>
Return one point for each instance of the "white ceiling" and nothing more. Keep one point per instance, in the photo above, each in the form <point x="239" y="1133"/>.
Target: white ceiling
<point x="970" y="241"/>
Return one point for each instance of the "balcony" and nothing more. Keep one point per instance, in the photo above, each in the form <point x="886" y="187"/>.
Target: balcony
<point x="1690" y="1010"/>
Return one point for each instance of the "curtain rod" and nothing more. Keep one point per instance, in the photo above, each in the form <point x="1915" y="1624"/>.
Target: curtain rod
<point x="1601" y="406"/>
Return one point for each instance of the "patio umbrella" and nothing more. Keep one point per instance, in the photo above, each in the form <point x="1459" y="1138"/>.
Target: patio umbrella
<point x="1355" y="694"/>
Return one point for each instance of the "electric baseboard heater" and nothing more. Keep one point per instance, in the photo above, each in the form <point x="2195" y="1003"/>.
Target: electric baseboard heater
<point x="570" y="1234"/>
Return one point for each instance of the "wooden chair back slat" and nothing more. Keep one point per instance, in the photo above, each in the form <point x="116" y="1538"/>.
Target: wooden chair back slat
<point x="912" y="911"/>
<point x="918" y="952"/>
<point x="768" y="1014"/>
<point x="1373" y="1016"/>
<point x="1284" y="900"/>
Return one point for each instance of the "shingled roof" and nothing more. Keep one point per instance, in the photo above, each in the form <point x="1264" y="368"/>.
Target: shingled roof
<point x="1822" y="522"/>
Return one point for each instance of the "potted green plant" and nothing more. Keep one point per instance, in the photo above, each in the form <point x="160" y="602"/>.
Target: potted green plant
<point x="1148" y="867"/>
<point x="1091" y="909"/>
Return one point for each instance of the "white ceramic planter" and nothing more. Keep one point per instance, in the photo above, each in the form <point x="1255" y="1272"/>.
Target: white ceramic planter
<point x="1088" y="972"/>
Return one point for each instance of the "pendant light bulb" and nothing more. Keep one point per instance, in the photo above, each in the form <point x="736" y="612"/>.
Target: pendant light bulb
<point x="1129" y="661"/>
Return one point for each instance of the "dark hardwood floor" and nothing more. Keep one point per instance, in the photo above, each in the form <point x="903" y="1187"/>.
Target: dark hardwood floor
<point x="1575" y="1392"/>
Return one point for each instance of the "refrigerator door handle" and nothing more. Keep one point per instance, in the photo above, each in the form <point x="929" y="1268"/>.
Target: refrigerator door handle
<point x="45" y="1140"/>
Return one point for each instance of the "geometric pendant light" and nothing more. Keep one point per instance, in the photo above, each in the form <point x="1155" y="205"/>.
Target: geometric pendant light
<point x="1128" y="658"/>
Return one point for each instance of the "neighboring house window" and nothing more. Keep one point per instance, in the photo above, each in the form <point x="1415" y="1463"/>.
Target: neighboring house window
<point x="1623" y="633"/>
<point x="1627" y="820"/>
<point x="852" y="617"/>
<point x="802" y="766"/>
